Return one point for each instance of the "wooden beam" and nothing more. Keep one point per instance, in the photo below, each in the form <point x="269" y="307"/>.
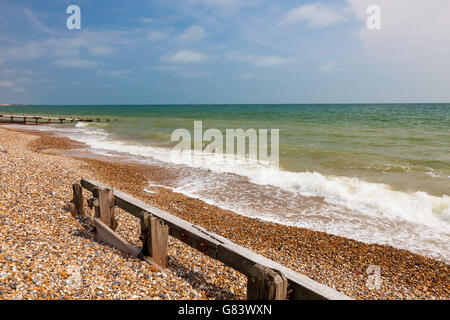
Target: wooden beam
<point x="106" y="235"/>
<point x="158" y="241"/>
<point x="36" y="118"/>
<point x="222" y="249"/>
<point x="78" y="199"/>
<point x="266" y="284"/>
<point x="178" y="228"/>
<point x="105" y="208"/>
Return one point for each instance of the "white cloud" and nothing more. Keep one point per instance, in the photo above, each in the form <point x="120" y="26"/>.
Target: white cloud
<point x="246" y="76"/>
<point x="162" y="68"/>
<point x="315" y="15"/>
<point x="185" y="56"/>
<point x="227" y="4"/>
<point x="28" y="51"/>
<point x="268" y="61"/>
<point x="101" y="50"/>
<point x="74" y="63"/>
<point x="23" y="80"/>
<point x="94" y="43"/>
<point x="259" y="60"/>
<point x="193" y="74"/>
<point x="7" y="84"/>
<point x="147" y="20"/>
<point x="154" y="35"/>
<point x="191" y="34"/>
<point x="37" y="24"/>
<point x="414" y="33"/>
<point x="114" y="73"/>
<point x="327" y="66"/>
<point x="10" y="85"/>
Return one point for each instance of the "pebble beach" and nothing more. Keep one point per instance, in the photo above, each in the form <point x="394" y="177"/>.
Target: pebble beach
<point x="46" y="254"/>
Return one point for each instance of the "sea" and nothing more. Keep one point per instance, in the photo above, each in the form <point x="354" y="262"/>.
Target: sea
<point x="376" y="173"/>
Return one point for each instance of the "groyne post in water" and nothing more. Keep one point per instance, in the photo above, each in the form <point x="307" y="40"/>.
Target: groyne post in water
<point x="36" y="119"/>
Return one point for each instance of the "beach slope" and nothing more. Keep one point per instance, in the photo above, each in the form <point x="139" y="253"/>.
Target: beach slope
<point x="44" y="253"/>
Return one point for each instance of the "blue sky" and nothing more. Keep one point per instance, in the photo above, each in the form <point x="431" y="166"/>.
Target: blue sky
<point x="224" y="51"/>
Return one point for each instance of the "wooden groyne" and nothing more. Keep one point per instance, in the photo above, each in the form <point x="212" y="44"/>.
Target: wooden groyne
<point x="36" y="119"/>
<point x="267" y="280"/>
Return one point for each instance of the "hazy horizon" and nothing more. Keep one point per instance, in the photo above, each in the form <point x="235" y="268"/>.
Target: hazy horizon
<point x="220" y="104"/>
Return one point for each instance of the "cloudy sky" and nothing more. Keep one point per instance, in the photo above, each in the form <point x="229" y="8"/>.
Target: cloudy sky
<point x="224" y="51"/>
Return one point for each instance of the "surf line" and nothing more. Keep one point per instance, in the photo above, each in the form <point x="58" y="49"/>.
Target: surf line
<point x="236" y="147"/>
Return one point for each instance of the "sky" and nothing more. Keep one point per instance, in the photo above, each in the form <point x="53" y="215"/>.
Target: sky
<point x="224" y="52"/>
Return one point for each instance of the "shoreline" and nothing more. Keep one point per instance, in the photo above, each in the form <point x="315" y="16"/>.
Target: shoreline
<point x="332" y="260"/>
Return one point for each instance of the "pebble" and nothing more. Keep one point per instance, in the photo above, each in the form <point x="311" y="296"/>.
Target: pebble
<point x="39" y="242"/>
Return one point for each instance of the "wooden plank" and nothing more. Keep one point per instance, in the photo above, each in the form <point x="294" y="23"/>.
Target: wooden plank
<point x="266" y="284"/>
<point x="106" y="235"/>
<point x="222" y="249"/>
<point x="178" y="228"/>
<point x="158" y="241"/>
<point x="304" y="288"/>
<point x="105" y="208"/>
<point x="78" y="199"/>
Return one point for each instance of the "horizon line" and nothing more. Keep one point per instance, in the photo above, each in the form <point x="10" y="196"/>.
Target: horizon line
<point x="217" y="104"/>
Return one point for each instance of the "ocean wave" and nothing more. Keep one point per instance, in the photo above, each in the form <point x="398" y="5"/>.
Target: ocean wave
<point x="81" y="124"/>
<point x="375" y="199"/>
<point x="357" y="209"/>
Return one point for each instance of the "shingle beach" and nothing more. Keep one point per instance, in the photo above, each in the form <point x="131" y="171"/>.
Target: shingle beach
<point x="44" y="253"/>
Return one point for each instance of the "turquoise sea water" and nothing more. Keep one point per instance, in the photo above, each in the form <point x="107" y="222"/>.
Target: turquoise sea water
<point x="406" y="146"/>
<point x="376" y="163"/>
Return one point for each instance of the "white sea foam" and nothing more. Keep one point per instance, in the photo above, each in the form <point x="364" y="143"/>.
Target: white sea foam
<point x="435" y="175"/>
<point x="81" y="124"/>
<point x="375" y="199"/>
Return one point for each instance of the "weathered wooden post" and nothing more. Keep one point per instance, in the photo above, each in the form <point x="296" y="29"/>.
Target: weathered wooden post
<point x="155" y="239"/>
<point x="266" y="284"/>
<point x="78" y="199"/>
<point x="105" y="207"/>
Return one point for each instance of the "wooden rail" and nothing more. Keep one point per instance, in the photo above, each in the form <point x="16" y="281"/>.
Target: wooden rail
<point x="14" y="118"/>
<point x="222" y="249"/>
